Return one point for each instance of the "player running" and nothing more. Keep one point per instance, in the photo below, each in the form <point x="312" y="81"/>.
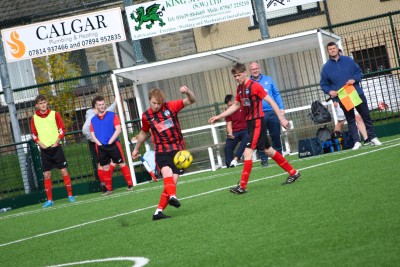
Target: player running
<point x="251" y="94"/>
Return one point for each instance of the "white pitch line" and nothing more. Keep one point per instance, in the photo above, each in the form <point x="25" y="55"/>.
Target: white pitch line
<point x="188" y="197"/>
<point x="96" y="199"/>
<point x="75" y="226"/>
<point x="101" y="198"/>
<point x="138" y="261"/>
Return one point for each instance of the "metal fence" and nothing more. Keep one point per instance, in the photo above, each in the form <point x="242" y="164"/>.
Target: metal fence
<point x="374" y="45"/>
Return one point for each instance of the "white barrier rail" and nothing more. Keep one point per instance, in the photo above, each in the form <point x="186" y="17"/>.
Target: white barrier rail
<point x="216" y="142"/>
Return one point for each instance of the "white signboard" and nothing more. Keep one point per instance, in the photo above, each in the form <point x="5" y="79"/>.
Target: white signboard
<point x="273" y="5"/>
<point x="166" y="16"/>
<point x="62" y="35"/>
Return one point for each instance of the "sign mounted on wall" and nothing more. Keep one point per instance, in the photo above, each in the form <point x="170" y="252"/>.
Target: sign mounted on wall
<point x="63" y="35"/>
<point x="167" y="16"/>
<point x="273" y="5"/>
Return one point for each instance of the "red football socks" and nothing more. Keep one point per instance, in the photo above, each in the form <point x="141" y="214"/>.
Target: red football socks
<point x="101" y="176"/>
<point x="283" y="163"/>
<point x="48" y="188"/>
<point x="170" y="186"/>
<point x="127" y="175"/>
<point x="111" y="170"/>
<point x="107" y="179"/>
<point x="163" y="200"/>
<point x="247" y="165"/>
<point x="67" y="183"/>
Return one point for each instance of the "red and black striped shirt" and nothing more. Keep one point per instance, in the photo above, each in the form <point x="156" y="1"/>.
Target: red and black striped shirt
<point x="251" y="95"/>
<point x="166" y="131"/>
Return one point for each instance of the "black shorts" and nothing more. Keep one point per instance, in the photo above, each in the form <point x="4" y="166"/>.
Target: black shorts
<point x="166" y="159"/>
<point x="93" y="151"/>
<point x="53" y="157"/>
<point x="257" y="138"/>
<point x="113" y="152"/>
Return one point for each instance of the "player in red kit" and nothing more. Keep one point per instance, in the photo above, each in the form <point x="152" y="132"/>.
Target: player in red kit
<point x="47" y="131"/>
<point x="161" y="121"/>
<point x="251" y="94"/>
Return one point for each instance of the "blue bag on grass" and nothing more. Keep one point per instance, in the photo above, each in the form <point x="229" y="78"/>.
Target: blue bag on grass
<point x="310" y="147"/>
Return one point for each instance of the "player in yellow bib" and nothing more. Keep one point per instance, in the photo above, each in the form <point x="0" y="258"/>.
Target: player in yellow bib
<point x="47" y="131"/>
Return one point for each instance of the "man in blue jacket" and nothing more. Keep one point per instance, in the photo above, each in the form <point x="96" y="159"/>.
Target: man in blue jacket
<point x="271" y="119"/>
<point x="337" y="72"/>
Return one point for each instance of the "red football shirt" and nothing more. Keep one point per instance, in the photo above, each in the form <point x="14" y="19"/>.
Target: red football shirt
<point x="251" y="95"/>
<point x="166" y="131"/>
<point x="238" y="120"/>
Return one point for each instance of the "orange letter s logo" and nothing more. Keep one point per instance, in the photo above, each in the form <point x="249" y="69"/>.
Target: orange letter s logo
<point x="17" y="46"/>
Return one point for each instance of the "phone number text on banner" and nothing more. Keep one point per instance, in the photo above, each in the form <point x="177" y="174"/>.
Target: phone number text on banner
<point x="63" y="35"/>
<point x="167" y="16"/>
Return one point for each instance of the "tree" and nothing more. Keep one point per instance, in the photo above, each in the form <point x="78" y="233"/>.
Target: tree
<point x="60" y="95"/>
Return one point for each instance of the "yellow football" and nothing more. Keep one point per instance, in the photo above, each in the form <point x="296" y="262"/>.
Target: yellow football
<point x="183" y="159"/>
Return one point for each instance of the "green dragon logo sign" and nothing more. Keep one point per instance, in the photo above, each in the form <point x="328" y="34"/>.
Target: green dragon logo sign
<point x="150" y="15"/>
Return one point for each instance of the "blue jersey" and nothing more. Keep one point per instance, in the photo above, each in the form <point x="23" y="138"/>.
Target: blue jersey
<point x="336" y="73"/>
<point x="104" y="127"/>
<point x="270" y="87"/>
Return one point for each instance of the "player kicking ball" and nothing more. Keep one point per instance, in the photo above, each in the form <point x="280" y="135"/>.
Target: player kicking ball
<point x="161" y="121"/>
<point x="251" y="94"/>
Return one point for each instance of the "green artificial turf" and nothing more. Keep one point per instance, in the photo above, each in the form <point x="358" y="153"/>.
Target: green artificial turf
<point x="344" y="211"/>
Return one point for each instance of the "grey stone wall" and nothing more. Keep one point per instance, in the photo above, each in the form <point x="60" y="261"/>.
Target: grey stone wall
<point x="95" y="54"/>
<point x="174" y="45"/>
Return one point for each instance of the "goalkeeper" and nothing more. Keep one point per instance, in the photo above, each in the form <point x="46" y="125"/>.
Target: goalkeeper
<point x="161" y="121"/>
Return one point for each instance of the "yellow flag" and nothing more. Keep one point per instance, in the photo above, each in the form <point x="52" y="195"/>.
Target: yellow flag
<point x="349" y="97"/>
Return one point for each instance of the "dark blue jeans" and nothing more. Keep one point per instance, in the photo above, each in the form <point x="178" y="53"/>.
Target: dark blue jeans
<point x="363" y="110"/>
<point x="231" y="144"/>
<point x="274" y="130"/>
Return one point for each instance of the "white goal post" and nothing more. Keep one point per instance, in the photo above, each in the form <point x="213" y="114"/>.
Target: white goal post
<point x="213" y="60"/>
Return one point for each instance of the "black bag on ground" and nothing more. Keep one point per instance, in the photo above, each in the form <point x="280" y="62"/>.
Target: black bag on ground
<point x="309" y="147"/>
<point x="319" y="113"/>
<point x="348" y="141"/>
<point x="324" y="134"/>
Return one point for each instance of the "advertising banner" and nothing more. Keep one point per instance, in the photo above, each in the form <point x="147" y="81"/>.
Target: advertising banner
<point x="273" y="5"/>
<point x="62" y="35"/>
<point x="167" y="16"/>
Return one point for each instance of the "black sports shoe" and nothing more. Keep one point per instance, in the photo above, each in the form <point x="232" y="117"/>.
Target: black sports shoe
<point x="264" y="163"/>
<point x="292" y="178"/>
<point x="174" y="202"/>
<point x="237" y="190"/>
<point x="103" y="188"/>
<point x="108" y="192"/>
<point x="160" y="216"/>
<point x="129" y="188"/>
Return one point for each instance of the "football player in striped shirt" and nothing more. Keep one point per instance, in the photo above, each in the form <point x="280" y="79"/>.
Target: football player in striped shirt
<point x="161" y="121"/>
<point x="250" y="94"/>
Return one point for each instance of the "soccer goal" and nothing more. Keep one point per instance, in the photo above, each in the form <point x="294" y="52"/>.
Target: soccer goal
<point x="209" y="75"/>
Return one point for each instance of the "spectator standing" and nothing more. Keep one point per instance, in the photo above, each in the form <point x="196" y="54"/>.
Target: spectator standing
<point x="105" y="127"/>
<point x="236" y="131"/>
<point x="338" y="71"/>
<point x="47" y="131"/>
<point x="250" y="94"/>
<point x="161" y="121"/>
<point x="271" y="119"/>
<point x="341" y="118"/>
<point x="98" y="171"/>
